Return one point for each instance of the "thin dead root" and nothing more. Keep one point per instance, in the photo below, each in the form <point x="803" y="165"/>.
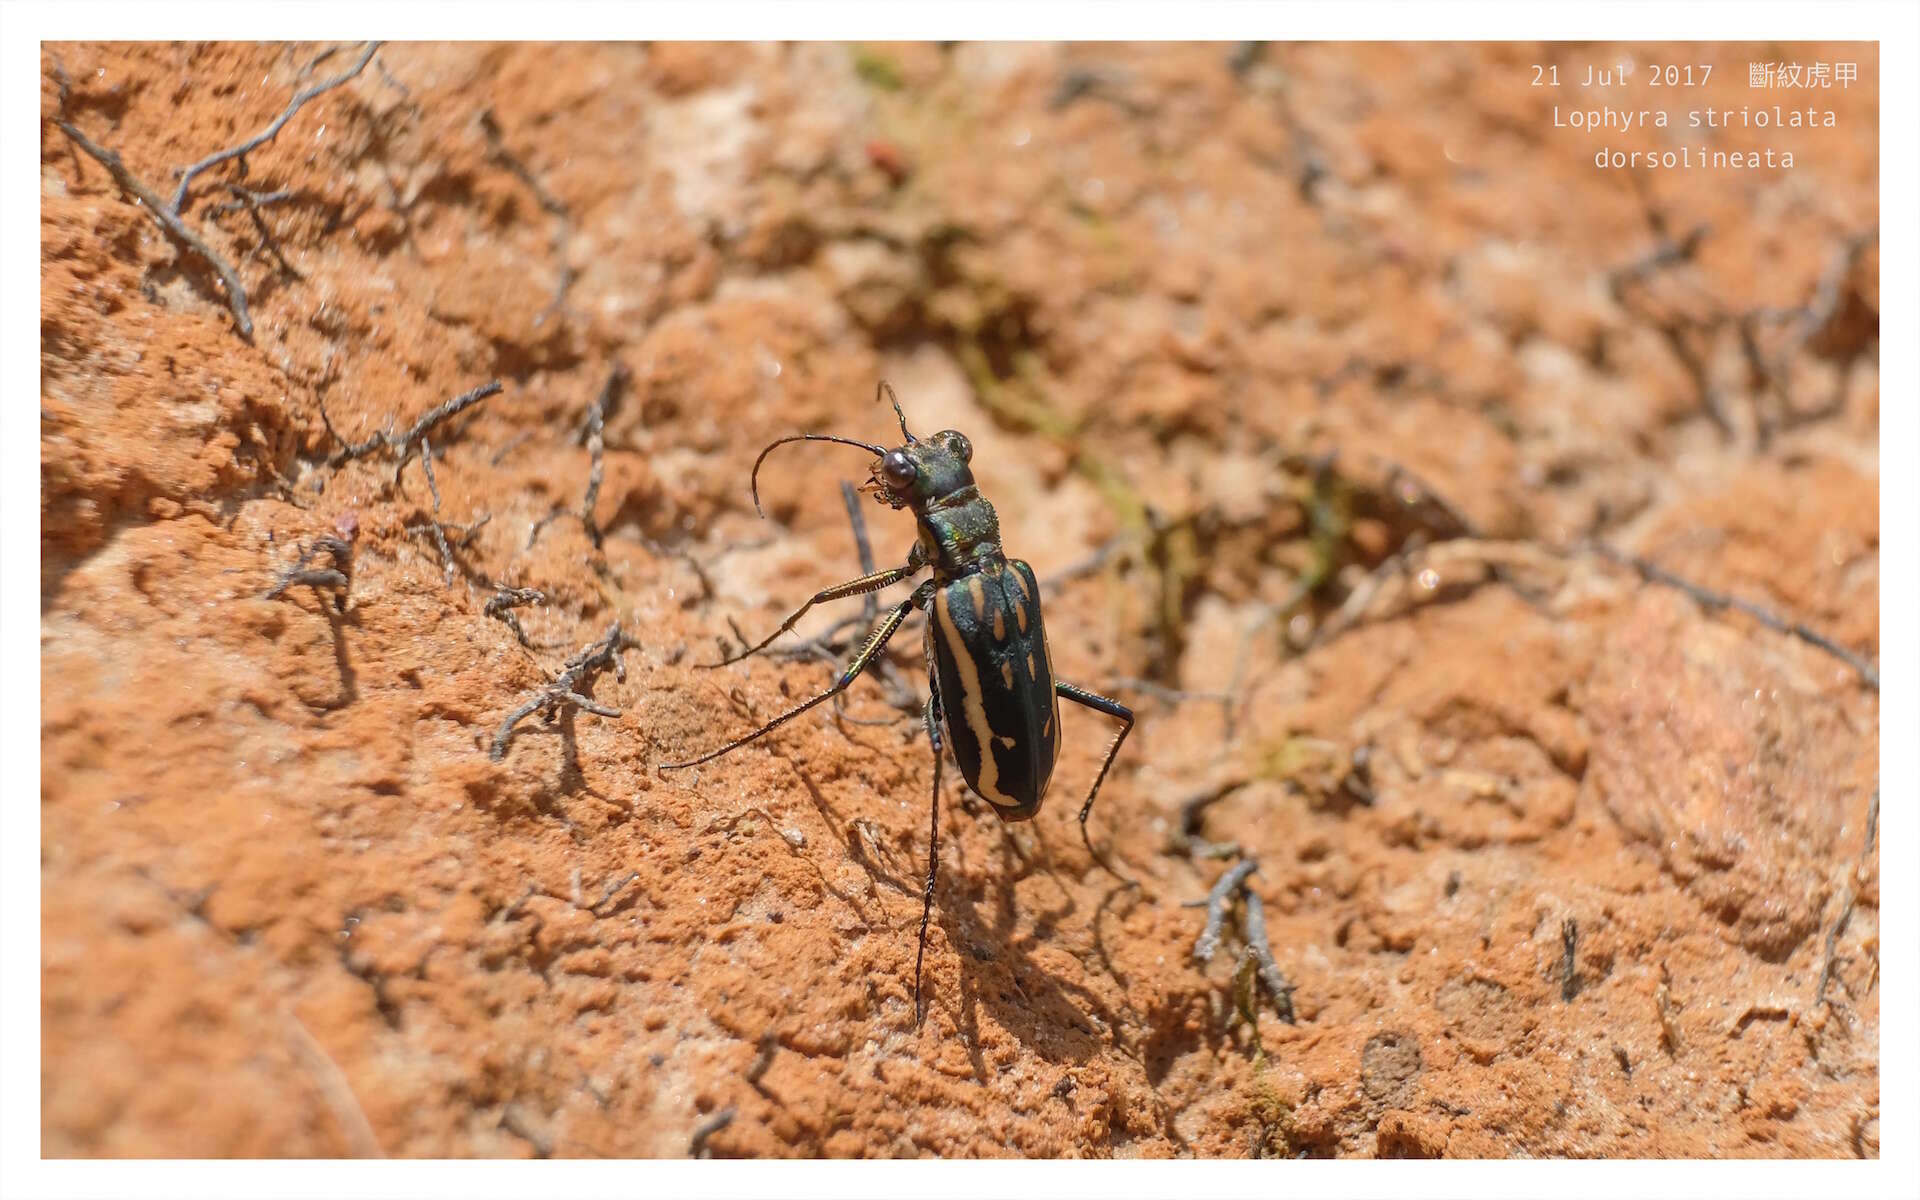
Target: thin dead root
<point x="593" y="433"/>
<point x="1258" y="949"/>
<point x="408" y="443"/>
<point x="515" y="1121"/>
<point x="1569" y="959"/>
<point x="437" y="528"/>
<point x="513" y="443"/>
<point x="446" y="551"/>
<point x="251" y="202"/>
<point x="300" y="99"/>
<point x="1834" y="931"/>
<point x="603" y="404"/>
<point x="551" y="205"/>
<point x="1186" y="837"/>
<point x="332" y="1081"/>
<point x="850" y="497"/>
<point x="504" y="600"/>
<point x="426" y="464"/>
<point x="1666" y="253"/>
<point x="248" y="198"/>
<point x="1463" y="542"/>
<point x="1262" y="951"/>
<point x="1848" y="897"/>
<point x="706" y="1129"/>
<point x="168" y="220"/>
<point x="1719" y="601"/>
<point x="337" y="578"/>
<point x="614" y="888"/>
<point x="581" y="668"/>
<point x="438" y="531"/>
<point x="1216" y="906"/>
<point x="769" y="1044"/>
<point x="1088" y="565"/>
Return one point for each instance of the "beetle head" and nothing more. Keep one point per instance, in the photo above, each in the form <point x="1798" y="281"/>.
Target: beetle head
<point x="911" y="476"/>
<point x="923" y="471"/>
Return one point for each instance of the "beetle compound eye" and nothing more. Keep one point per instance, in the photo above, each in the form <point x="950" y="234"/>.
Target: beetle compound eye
<point x="898" y="469"/>
<point x="960" y="447"/>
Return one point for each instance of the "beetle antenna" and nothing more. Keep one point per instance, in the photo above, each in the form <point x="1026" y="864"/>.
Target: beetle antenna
<point x="887" y="389"/>
<point x="876" y="451"/>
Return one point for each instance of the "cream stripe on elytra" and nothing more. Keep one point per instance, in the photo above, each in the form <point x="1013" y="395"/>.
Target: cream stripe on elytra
<point x="971" y="707"/>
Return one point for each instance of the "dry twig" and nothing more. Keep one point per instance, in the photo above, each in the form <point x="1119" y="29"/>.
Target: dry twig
<point x="337" y="578"/>
<point x="564" y="689"/>
<point x="593" y="432"/>
<point x="1186" y="837"/>
<point x="1216" y="906"/>
<point x="1710" y="599"/>
<point x="504" y="600"/>
<point x="251" y="202"/>
<point x="1847" y="900"/>
<point x="179" y="205"/>
<point x="1257" y="961"/>
<point x="408" y="443"/>
<point x="596" y="433"/>
<point x="706" y="1129"/>
<point x="438" y="530"/>
<point x="769" y="1044"/>
<point x="1262" y="951"/>
<point x="168" y="220"/>
<point x="1569" y="959"/>
<point x="549" y="203"/>
<point x="1452" y="527"/>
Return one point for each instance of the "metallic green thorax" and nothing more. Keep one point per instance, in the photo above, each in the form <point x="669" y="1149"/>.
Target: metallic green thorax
<point x="959" y="531"/>
<point x="960" y="536"/>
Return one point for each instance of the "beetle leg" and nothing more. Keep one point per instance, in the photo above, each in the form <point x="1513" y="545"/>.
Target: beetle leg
<point x="1124" y="715"/>
<point x="933" y="839"/>
<point x="859" y="663"/>
<point x="862" y="586"/>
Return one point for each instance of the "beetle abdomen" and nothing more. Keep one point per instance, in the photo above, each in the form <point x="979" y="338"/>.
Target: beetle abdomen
<point x="996" y="685"/>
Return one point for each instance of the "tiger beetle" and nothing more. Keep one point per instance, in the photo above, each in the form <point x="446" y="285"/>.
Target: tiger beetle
<point x="989" y="677"/>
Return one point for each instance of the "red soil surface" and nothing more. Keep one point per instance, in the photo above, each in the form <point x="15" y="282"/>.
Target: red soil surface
<point x="291" y="906"/>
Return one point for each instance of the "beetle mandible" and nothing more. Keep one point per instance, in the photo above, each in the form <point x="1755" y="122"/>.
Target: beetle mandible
<point x="990" y="679"/>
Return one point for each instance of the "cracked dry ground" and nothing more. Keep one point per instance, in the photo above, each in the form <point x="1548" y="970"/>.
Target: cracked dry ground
<point x="291" y="906"/>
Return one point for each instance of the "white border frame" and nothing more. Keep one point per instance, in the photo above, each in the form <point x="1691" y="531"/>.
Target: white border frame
<point x="1895" y="25"/>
